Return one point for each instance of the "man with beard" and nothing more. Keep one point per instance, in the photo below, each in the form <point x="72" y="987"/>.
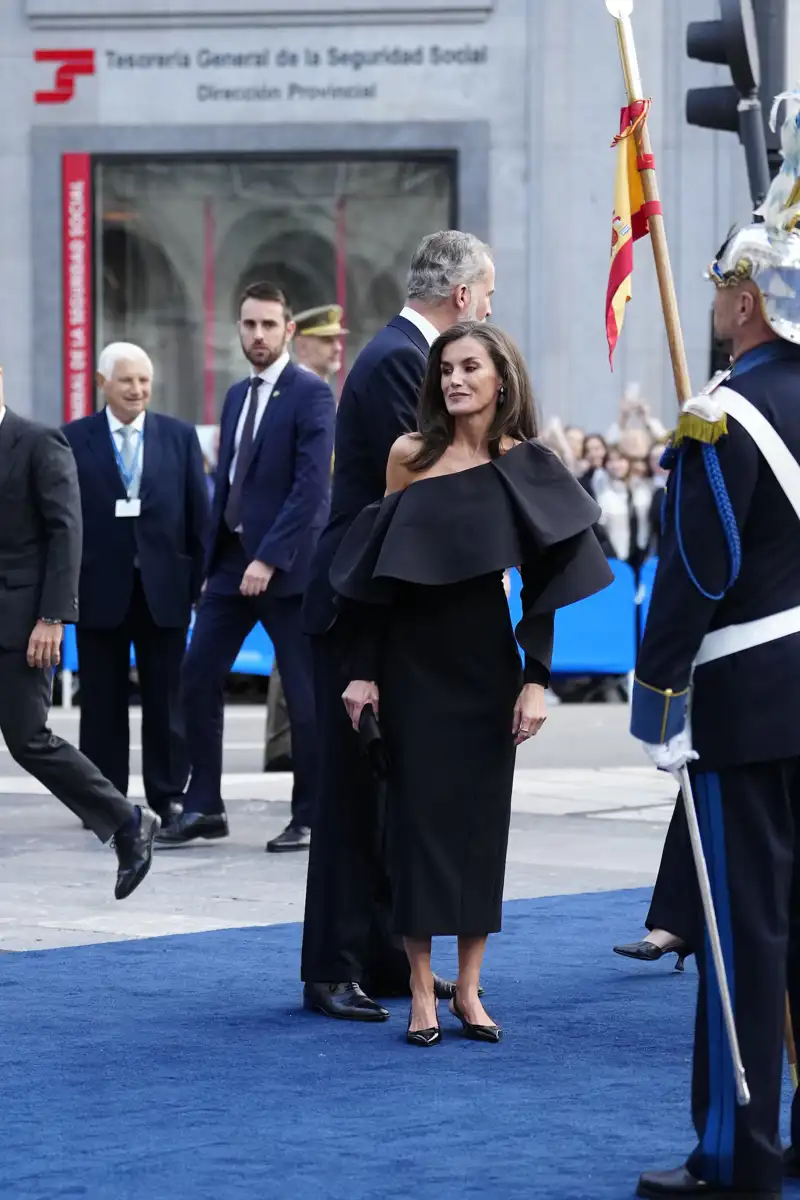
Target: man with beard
<point x="346" y="942"/>
<point x="270" y="503"/>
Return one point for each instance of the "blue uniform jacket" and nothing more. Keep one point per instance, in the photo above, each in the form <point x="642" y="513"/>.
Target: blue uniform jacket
<point x="287" y="488"/>
<point x="745" y="708"/>
<point x="167" y="539"/>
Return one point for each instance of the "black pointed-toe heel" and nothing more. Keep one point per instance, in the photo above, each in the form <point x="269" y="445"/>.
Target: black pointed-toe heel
<point x="476" y="1033"/>
<point x="649" y="952"/>
<point x="422" y="1037"/>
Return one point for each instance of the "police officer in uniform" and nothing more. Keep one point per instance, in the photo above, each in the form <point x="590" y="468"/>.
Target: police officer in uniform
<point x="724" y="622"/>
<point x="318" y="345"/>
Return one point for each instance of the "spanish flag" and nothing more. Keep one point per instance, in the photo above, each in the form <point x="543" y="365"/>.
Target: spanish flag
<point x="630" y="220"/>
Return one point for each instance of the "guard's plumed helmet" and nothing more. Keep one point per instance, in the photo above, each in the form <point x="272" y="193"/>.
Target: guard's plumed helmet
<point x="768" y="252"/>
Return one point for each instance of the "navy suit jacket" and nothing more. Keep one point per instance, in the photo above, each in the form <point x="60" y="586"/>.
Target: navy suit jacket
<point x="378" y="404"/>
<point x="168" y="538"/>
<point x="286" y="491"/>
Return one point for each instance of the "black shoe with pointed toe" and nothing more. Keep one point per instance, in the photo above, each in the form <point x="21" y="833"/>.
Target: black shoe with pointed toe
<point x="648" y="952"/>
<point x="135" y="853"/>
<point x="681" y="1182"/>
<point x="476" y="1033"/>
<point x="343" y="1001"/>
<point x="422" y="1037"/>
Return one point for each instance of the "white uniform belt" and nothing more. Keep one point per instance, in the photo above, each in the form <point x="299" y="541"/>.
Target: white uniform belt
<point x="735" y="638"/>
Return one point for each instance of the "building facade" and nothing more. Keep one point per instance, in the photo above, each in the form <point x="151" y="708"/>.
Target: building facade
<point x="158" y="155"/>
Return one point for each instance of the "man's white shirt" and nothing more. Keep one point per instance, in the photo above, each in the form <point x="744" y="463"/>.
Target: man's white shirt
<point x="270" y="376"/>
<point x="137" y="444"/>
<point x="428" y="331"/>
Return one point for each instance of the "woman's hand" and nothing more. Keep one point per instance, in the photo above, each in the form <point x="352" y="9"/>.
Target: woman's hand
<point x="357" y="696"/>
<point x="530" y="713"/>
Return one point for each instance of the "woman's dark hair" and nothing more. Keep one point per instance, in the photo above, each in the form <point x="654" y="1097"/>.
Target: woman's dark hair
<point x="515" y="416"/>
<point x="594" y="437"/>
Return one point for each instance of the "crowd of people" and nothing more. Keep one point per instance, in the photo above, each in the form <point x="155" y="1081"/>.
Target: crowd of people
<point x="622" y="470"/>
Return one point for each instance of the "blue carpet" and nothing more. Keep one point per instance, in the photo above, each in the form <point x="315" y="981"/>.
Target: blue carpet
<point x="182" y="1068"/>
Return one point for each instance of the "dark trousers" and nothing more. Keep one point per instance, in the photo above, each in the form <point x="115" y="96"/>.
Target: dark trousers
<point x="224" y="619"/>
<point x="278" y="743"/>
<point x="346" y="931"/>
<point x="746" y="816"/>
<point x="25" y="696"/>
<point x="104" y="665"/>
<point x="675" y="903"/>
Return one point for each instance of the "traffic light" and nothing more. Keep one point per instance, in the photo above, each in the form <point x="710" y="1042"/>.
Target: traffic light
<point x="732" y="41"/>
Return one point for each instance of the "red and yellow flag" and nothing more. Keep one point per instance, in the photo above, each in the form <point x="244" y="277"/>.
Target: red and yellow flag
<point x="630" y="220"/>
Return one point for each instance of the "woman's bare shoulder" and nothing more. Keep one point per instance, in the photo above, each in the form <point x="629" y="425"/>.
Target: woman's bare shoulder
<point x="509" y="443"/>
<point x="405" y="447"/>
<point x="398" y="472"/>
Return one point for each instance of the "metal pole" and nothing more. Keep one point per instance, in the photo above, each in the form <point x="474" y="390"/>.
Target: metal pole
<point x="751" y="132"/>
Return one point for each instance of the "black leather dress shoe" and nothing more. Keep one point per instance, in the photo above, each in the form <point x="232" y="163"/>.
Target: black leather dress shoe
<point x="344" y="1001"/>
<point x="294" y="837"/>
<point x="680" y="1182"/>
<point x="135" y="853"/>
<point x="445" y="989"/>
<point x="188" y="826"/>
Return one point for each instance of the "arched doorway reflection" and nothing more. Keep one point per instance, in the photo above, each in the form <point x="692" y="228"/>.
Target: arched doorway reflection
<point x="144" y="301"/>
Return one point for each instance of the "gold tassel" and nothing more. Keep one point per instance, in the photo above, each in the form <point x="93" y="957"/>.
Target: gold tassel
<point x="698" y="430"/>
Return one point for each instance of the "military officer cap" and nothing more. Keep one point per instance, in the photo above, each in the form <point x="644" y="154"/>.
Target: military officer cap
<point x="324" y="321"/>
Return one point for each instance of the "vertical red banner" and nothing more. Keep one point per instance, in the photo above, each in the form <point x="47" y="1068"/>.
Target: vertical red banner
<point x="76" y="208"/>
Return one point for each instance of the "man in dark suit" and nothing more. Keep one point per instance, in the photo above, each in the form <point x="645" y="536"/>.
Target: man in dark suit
<point x="145" y="511"/>
<point x="345" y="939"/>
<point x="270" y="503"/>
<point x="40" y="556"/>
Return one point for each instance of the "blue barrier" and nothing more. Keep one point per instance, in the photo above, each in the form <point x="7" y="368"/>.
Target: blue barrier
<point x="255" y="657"/>
<point x="593" y="637"/>
<point x="596" y="636"/>
<point x="647" y="577"/>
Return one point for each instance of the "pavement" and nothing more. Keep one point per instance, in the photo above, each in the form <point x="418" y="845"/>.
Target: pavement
<point x="588" y="814"/>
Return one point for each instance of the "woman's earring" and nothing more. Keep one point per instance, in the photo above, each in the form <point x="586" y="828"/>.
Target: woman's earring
<point x="501" y="397"/>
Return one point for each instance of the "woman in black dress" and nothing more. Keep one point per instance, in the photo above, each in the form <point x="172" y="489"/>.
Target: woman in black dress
<point x="468" y="496"/>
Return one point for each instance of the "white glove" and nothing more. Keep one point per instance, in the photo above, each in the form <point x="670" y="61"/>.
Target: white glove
<point x="674" y="754"/>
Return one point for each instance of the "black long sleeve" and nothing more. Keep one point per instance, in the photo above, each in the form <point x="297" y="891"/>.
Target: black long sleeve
<point x="539" y="633"/>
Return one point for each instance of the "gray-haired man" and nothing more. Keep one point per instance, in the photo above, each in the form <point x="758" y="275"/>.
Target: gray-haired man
<point x="346" y="940"/>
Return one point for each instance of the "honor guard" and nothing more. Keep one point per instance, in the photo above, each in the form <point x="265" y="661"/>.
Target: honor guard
<point x="718" y="681"/>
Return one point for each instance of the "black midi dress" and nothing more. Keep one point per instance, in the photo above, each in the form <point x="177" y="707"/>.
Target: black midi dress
<point x="420" y="577"/>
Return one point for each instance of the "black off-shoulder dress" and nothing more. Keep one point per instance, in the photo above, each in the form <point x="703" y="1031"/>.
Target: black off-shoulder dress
<point x="420" y="577"/>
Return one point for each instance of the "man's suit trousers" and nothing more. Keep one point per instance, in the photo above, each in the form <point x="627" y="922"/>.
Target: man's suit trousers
<point x="25" y="695"/>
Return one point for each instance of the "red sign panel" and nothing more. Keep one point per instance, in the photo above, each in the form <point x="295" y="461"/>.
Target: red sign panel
<point x="73" y="63"/>
<point x="76" y="205"/>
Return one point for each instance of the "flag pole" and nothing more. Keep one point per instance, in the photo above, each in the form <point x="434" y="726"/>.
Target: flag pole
<point x="621" y="12"/>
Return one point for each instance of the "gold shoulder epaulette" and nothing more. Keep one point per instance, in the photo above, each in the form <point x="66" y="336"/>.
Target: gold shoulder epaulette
<point x="698" y="429"/>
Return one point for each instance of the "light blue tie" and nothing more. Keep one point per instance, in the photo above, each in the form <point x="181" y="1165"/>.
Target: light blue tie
<point x="130" y="460"/>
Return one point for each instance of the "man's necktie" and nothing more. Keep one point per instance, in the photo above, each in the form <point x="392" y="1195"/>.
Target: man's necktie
<point x="234" y="502"/>
<point x="131" y="461"/>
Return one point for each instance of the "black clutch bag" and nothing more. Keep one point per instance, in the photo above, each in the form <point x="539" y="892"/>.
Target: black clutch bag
<point x="372" y="744"/>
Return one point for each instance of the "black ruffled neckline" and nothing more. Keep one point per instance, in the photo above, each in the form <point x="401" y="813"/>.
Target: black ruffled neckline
<point x="522" y="508"/>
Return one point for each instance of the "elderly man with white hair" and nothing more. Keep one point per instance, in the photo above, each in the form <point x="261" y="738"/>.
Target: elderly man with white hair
<point x="145" y="508"/>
